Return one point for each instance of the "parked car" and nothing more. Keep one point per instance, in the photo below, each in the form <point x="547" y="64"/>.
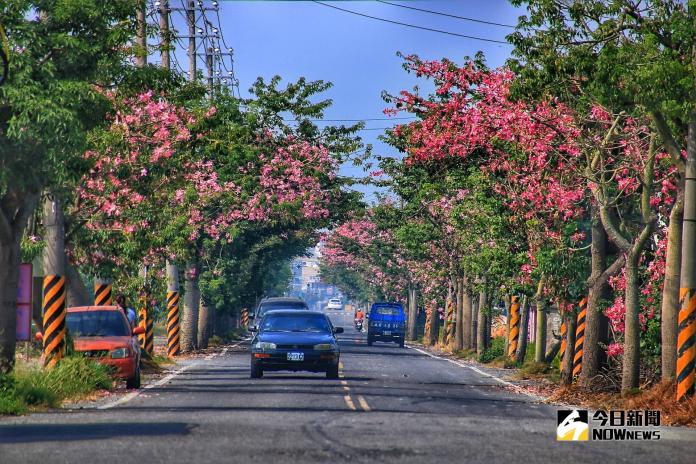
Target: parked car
<point x="104" y="334"/>
<point x="295" y="341"/>
<point x="387" y="323"/>
<point x="335" y="303"/>
<point x="277" y="303"/>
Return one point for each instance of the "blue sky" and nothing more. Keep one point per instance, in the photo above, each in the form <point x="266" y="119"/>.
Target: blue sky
<point x="302" y="38"/>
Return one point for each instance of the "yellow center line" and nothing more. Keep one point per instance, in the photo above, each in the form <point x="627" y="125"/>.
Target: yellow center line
<point x="363" y="404"/>
<point x="349" y="402"/>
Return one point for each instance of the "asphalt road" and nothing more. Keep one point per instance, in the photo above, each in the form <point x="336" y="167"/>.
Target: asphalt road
<point x="390" y="405"/>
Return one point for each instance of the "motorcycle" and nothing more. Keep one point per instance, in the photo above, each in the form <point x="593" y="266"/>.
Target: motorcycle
<point x="358" y="325"/>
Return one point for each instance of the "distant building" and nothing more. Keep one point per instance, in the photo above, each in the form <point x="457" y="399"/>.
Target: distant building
<point x="306" y="281"/>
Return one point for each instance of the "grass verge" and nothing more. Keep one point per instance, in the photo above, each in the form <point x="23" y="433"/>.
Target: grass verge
<point x="31" y="387"/>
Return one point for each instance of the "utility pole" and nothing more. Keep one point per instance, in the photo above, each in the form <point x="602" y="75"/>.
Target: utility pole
<point x="209" y="66"/>
<point x="165" y="35"/>
<point x="173" y="346"/>
<point x="141" y="35"/>
<point x="191" y="21"/>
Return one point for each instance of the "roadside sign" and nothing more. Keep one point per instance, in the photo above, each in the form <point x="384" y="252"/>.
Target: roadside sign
<point x="24" y="287"/>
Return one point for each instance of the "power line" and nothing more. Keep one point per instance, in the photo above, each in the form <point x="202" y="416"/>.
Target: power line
<point x="483" y="39"/>
<point x="464" y="18"/>
<point x="363" y="119"/>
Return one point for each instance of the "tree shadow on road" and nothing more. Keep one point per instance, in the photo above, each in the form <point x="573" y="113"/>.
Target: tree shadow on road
<point x="34" y="433"/>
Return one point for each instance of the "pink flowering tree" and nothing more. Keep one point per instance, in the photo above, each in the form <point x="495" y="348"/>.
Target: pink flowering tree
<point x="549" y="164"/>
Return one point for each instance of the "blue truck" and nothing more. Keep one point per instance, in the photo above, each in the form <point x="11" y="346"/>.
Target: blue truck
<point x="387" y="323"/>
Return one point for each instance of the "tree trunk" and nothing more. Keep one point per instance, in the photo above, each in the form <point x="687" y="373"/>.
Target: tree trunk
<point x="54" y="250"/>
<point x="506" y="302"/>
<point x="15" y="209"/>
<point x="482" y="315"/>
<point x="459" y="328"/>
<point x="412" y="313"/>
<point x="475" y="307"/>
<point x="686" y="337"/>
<point x="552" y="352"/>
<point x="173" y="311"/>
<point x="596" y="322"/>
<point x="9" y="277"/>
<point x="670" y="292"/>
<point x="53" y="296"/>
<point x="434" y="323"/>
<point x="76" y="290"/>
<point x="540" y="337"/>
<point x="567" y="362"/>
<point x="466" y="317"/>
<point x="631" y="356"/>
<point x="189" y="321"/>
<point x="524" y="331"/>
<point x="449" y="315"/>
<point x="204" y="316"/>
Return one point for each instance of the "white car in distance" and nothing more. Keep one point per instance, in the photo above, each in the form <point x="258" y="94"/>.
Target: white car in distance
<point x="335" y="303"/>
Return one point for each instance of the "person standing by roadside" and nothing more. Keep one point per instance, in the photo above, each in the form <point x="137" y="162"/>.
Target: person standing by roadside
<point x="129" y="312"/>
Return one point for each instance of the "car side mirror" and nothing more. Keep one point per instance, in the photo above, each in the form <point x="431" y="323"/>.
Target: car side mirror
<point x="338" y="330"/>
<point x="253" y="328"/>
<point x="138" y="330"/>
<point x="38" y="337"/>
<point x="252" y="316"/>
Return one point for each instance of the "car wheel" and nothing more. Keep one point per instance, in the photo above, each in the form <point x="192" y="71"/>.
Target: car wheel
<point x="369" y="341"/>
<point x="134" y="382"/>
<point x="332" y="372"/>
<point x="256" y="372"/>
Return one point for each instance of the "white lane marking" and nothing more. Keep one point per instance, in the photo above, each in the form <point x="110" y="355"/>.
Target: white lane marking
<point x="349" y="402"/>
<point x="363" y="403"/>
<point x="165" y="379"/>
<point x="479" y="371"/>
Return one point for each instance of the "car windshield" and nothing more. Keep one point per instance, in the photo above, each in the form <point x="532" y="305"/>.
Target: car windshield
<point x="387" y="311"/>
<point x="295" y="323"/>
<point x="97" y="324"/>
<point x="265" y="307"/>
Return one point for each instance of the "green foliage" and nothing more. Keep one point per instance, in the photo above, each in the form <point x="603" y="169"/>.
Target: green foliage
<point x="495" y="351"/>
<point x="50" y="101"/>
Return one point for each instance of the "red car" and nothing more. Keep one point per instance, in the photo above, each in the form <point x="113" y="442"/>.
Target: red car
<point x="104" y="334"/>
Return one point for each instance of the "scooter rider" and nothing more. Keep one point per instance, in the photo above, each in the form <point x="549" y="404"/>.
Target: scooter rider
<point x="359" y="317"/>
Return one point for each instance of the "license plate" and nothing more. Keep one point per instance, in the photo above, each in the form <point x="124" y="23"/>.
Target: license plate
<point x="295" y="356"/>
<point x="387" y="332"/>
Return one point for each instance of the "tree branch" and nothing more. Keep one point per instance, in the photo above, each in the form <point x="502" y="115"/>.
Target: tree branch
<point x="609" y="223"/>
<point x="669" y="142"/>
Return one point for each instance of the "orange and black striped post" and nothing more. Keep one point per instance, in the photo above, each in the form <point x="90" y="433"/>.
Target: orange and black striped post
<point x="53" y="319"/>
<point x="514" y="326"/>
<point x="142" y="320"/>
<point x="564" y="340"/>
<point x="579" y="337"/>
<point x="150" y="335"/>
<point x="102" y="294"/>
<point x="173" y="348"/>
<point x="245" y="317"/>
<point x="686" y="342"/>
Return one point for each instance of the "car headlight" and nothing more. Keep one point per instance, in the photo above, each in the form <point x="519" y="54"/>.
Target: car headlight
<point x="324" y="347"/>
<point x="120" y="353"/>
<point x="263" y="346"/>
